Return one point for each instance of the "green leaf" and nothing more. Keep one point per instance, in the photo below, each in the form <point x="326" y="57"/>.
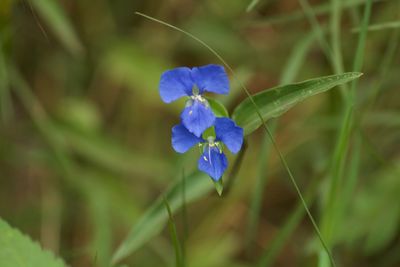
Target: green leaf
<point x="19" y="250"/>
<point x="152" y="222"/>
<point x="218" y="108"/>
<point x="274" y="102"/>
<point x="54" y="15"/>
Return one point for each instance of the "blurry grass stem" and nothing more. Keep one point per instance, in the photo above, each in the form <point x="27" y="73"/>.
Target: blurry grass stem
<point x="174" y="235"/>
<point x="5" y="97"/>
<point x="318" y="10"/>
<point x="256" y="197"/>
<point x="264" y="125"/>
<point x="235" y="168"/>
<point x="329" y="218"/>
<point x="252" y="5"/>
<point x="380" y="26"/>
<point x="184" y="218"/>
<point x="270" y="254"/>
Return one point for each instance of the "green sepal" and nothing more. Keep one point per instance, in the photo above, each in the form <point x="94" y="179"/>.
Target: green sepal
<point x="219" y="186"/>
<point x="208" y="132"/>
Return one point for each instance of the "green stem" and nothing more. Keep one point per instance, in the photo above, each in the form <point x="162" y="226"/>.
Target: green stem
<point x="174" y="235"/>
<point x="270" y="254"/>
<point x="338" y="162"/>
<point x="256" y="199"/>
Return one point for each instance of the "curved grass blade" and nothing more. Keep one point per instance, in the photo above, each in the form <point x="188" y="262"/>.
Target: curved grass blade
<point x="19" y="250"/>
<point x="55" y="17"/>
<point x="273" y="102"/>
<point x="380" y="26"/>
<point x="196" y="186"/>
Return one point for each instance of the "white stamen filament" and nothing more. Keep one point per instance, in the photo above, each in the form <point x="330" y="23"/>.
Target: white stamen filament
<point x="211" y="143"/>
<point x="198" y="98"/>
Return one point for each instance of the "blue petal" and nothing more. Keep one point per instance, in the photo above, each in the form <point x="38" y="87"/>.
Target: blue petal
<point x="211" y="78"/>
<point x="197" y="117"/>
<point x="230" y="134"/>
<point x="213" y="162"/>
<point x="175" y="83"/>
<point x="182" y="139"/>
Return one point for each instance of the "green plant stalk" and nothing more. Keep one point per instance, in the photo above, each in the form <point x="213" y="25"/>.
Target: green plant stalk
<point x="184" y="218"/>
<point x="261" y="180"/>
<point x="6" y="108"/>
<point x="310" y="15"/>
<point x="252" y="5"/>
<point x="381" y="26"/>
<point x="333" y="58"/>
<point x="102" y="239"/>
<point x="336" y="10"/>
<point x="387" y="60"/>
<point x="353" y="174"/>
<point x="270" y="254"/>
<point x="336" y="172"/>
<point x="338" y="160"/>
<point x="235" y="168"/>
<point x="319" y="10"/>
<point x="282" y="159"/>
<point x="174" y="236"/>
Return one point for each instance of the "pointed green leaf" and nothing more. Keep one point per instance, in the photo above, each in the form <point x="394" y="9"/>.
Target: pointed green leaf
<point x="19" y="250"/>
<point x="152" y="222"/>
<point x="273" y="102"/>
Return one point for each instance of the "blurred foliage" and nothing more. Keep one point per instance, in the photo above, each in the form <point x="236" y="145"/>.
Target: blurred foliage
<point x="85" y="139"/>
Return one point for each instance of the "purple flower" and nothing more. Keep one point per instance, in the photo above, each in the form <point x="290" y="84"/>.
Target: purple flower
<point x="212" y="161"/>
<point x="179" y="82"/>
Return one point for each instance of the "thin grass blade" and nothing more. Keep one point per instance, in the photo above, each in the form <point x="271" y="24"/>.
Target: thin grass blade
<point x="55" y="17"/>
<point x="174" y="235"/>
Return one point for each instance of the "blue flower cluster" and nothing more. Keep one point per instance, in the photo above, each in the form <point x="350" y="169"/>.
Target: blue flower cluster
<point x="199" y="124"/>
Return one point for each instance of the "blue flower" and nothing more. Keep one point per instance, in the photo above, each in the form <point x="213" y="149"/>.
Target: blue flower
<point x="176" y="83"/>
<point x="212" y="161"/>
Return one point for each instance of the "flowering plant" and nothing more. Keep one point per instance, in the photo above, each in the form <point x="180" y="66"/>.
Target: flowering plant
<point x="199" y="123"/>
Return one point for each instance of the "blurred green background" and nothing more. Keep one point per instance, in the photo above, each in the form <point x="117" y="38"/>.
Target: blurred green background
<point x="85" y="139"/>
